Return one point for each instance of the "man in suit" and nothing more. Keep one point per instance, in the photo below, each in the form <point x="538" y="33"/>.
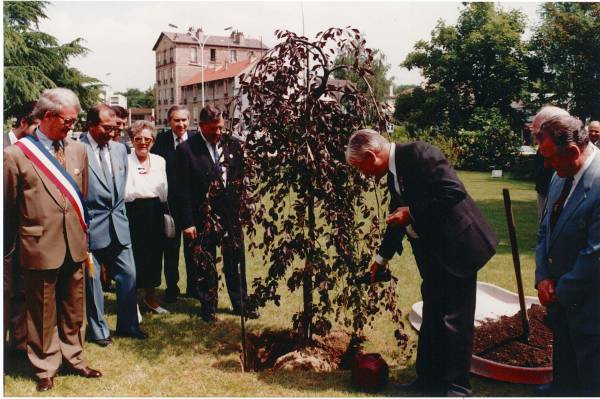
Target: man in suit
<point x="15" y="308"/>
<point x="567" y="273"/>
<point x="110" y="240"/>
<point x="594" y="133"/>
<point x="450" y="240"/>
<point x="165" y="145"/>
<point x="209" y="170"/>
<point x="47" y="224"/>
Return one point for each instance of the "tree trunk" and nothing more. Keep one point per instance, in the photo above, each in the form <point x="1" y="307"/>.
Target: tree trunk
<point x="307" y="286"/>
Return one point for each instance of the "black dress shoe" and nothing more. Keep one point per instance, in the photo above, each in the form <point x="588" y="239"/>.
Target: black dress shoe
<point x="420" y="386"/>
<point x="44" y="384"/>
<point x="549" y="390"/>
<point x="139" y="334"/>
<point x="87" y="372"/>
<point x="104" y="342"/>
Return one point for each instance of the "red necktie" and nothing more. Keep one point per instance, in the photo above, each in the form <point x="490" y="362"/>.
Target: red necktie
<point x="560" y="202"/>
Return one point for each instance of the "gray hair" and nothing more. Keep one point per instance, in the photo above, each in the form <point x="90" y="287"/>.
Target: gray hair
<point x="138" y="126"/>
<point x="54" y="100"/>
<point x="362" y="141"/>
<point x="545" y="113"/>
<point x="564" y="130"/>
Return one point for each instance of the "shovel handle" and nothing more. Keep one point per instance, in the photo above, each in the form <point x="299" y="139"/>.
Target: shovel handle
<point x="512" y="233"/>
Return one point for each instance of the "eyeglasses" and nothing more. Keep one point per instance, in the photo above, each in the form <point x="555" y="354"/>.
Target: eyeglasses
<point x="109" y="128"/>
<point x="140" y="139"/>
<point x="67" y="121"/>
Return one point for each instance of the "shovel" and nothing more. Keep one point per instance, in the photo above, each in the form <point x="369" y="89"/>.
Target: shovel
<point x="510" y="220"/>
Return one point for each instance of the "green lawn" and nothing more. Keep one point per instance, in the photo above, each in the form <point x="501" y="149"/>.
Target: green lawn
<point x="186" y="357"/>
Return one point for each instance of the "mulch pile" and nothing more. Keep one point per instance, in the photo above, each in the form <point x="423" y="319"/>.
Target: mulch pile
<point x="283" y="350"/>
<point x="536" y="353"/>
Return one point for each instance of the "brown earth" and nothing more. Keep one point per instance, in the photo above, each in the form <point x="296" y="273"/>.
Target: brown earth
<point x="283" y="350"/>
<point x="537" y="352"/>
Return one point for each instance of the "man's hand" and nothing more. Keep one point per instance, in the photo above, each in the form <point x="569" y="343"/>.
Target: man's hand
<point x="374" y="269"/>
<point x="546" y="292"/>
<point x="190" y="233"/>
<point x="401" y="216"/>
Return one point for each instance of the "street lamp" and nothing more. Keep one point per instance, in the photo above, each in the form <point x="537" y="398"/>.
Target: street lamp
<point x="201" y="44"/>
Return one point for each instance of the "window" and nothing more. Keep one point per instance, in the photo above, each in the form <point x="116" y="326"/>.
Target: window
<point x="158" y="58"/>
<point x="171" y="53"/>
<point x="172" y="96"/>
<point x="232" y="55"/>
<point x="194" y="55"/>
<point x="213" y="55"/>
<point x="172" y="74"/>
<point x="164" y="56"/>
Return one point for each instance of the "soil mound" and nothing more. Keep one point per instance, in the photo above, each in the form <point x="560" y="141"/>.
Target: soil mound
<point x="283" y="350"/>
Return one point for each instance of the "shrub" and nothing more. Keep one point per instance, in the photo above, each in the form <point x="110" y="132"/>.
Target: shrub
<point x="487" y="143"/>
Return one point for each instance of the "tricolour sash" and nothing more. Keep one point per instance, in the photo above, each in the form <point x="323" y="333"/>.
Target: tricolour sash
<point x="41" y="157"/>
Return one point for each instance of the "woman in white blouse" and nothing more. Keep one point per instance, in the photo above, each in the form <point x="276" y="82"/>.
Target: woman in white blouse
<point x="145" y="199"/>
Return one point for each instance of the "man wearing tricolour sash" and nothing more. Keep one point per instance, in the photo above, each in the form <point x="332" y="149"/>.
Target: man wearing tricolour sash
<point x="45" y="181"/>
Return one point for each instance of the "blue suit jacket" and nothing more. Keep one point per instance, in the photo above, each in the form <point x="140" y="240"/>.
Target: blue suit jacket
<point x="570" y="254"/>
<point x="103" y="209"/>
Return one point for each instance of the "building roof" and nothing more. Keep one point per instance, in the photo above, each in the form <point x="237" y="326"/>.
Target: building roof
<point x="221" y="72"/>
<point x="213" y="40"/>
<point x="140" y="111"/>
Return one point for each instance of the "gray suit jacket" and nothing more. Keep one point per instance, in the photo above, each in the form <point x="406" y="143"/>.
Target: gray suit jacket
<point x="102" y="207"/>
<point x="570" y="253"/>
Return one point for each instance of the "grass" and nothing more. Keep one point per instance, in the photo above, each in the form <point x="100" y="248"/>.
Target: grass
<point x="186" y="357"/>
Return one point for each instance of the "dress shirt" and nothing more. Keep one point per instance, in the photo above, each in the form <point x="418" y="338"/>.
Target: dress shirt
<point x="392" y="169"/>
<point x="96" y="149"/>
<point x="46" y="142"/>
<point x="12" y="137"/>
<point x="211" y="150"/>
<point x="184" y="137"/>
<point x="151" y="184"/>
<point x="582" y="170"/>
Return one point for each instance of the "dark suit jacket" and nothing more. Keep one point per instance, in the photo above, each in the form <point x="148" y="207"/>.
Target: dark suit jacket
<point x="444" y="215"/>
<point x="165" y="147"/>
<point x="196" y="171"/>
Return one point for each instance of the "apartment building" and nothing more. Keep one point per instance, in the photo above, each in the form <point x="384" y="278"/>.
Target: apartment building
<point x="178" y="64"/>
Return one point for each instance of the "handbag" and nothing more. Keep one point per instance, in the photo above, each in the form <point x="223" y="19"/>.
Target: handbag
<point x="169" y="223"/>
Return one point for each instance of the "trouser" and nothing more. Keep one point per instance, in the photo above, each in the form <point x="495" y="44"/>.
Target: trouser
<point x="234" y="264"/>
<point x="446" y="335"/>
<point x="55" y="308"/>
<point x="121" y="268"/>
<point x="15" y="307"/>
<point x="171" y="264"/>
<point x="575" y="358"/>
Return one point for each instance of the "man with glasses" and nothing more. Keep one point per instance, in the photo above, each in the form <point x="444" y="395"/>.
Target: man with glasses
<point x="110" y="241"/>
<point x="45" y="179"/>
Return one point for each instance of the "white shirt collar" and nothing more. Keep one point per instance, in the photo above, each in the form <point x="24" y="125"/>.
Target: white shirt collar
<point x="392" y="166"/>
<point x="184" y="137"/>
<point x="12" y="137"/>
<point x="94" y="143"/>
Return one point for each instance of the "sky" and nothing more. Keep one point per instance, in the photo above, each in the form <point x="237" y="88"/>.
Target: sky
<point x="120" y="35"/>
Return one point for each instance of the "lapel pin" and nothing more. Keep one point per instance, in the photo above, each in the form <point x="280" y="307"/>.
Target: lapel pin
<point x="76" y="172"/>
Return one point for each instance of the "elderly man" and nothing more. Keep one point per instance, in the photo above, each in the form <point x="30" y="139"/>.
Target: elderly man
<point x="594" y="133"/>
<point x="450" y="240"/>
<point x="166" y="142"/>
<point x="110" y="240"/>
<point x="567" y="273"/>
<point x="15" y="309"/>
<point x="542" y="173"/>
<point x="209" y="172"/>
<point x="45" y="181"/>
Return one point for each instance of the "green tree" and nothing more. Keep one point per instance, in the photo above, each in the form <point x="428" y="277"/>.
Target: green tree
<point x="419" y="108"/>
<point x="378" y="80"/>
<point x="34" y="60"/>
<point x="479" y="62"/>
<point x="139" y="99"/>
<point x="567" y="45"/>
